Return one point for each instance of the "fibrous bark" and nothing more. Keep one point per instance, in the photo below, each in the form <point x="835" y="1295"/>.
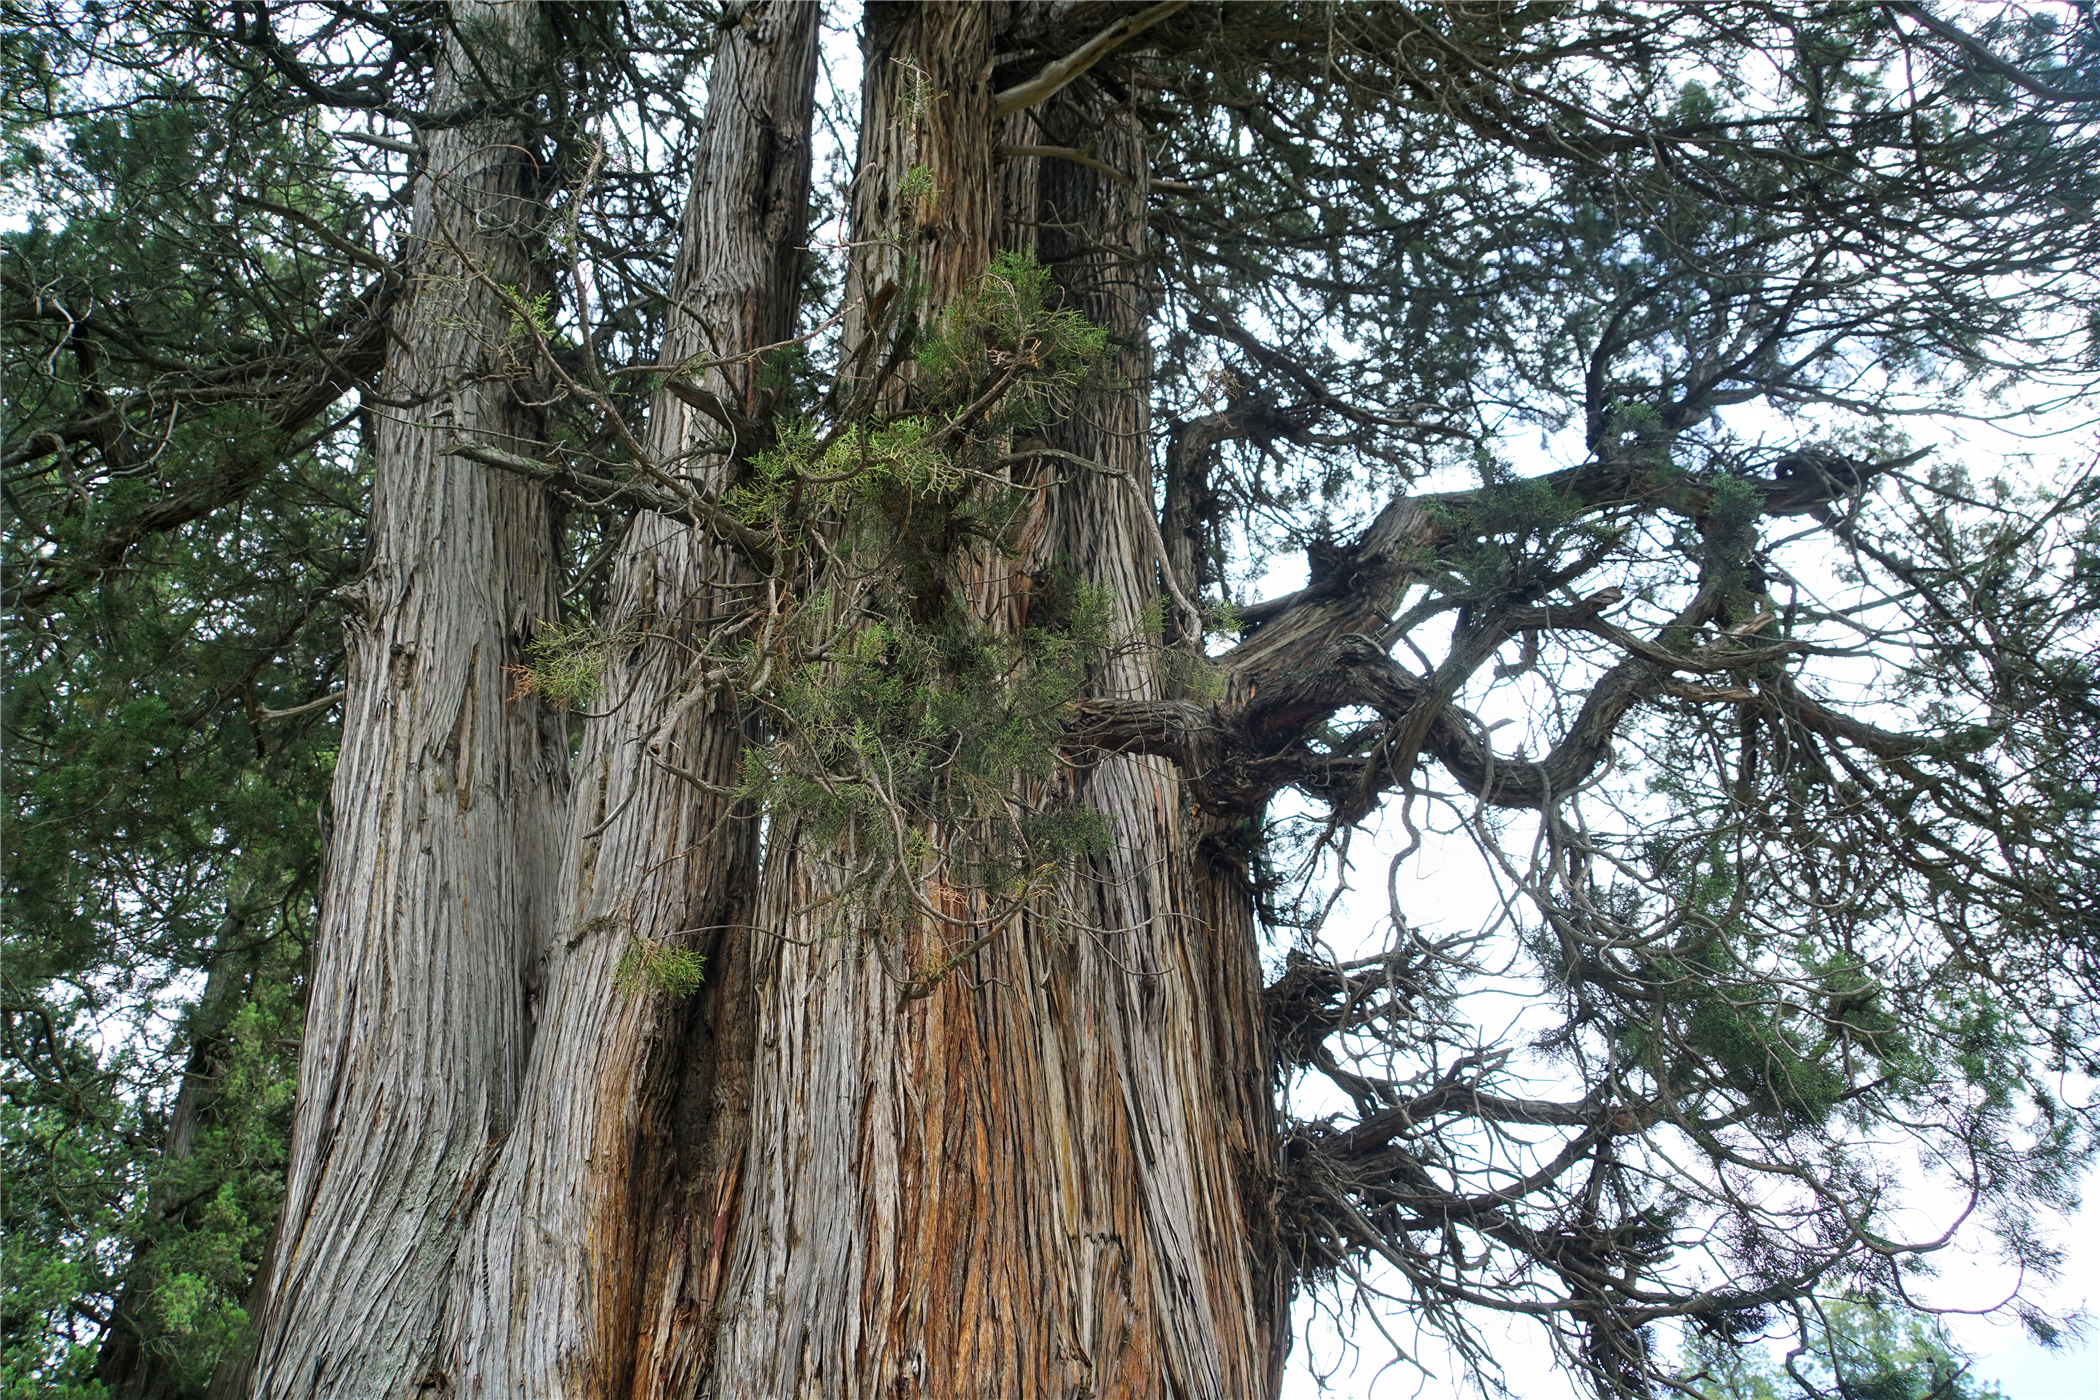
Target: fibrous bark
<point x="594" y="1257"/>
<point x="447" y="799"/>
<point x="1029" y="1171"/>
<point x="1036" y="1169"/>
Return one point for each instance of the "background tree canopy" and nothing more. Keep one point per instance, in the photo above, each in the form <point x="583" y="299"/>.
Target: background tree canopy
<point x="920" y="560"/>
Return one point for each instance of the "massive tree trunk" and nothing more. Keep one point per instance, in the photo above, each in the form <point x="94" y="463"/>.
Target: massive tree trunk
<point x="447" y="798"/>
<point x="870" y="1004"/>
<point x="1040" y="1167"/>
<point x="1175" y="982"/>
<point x="1032" y="1174"/>
<point x="595" y="1253"/>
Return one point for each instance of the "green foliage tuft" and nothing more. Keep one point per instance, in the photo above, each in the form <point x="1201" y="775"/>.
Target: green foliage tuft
<point x="949" y="725"/>
<point x="1007" y="331"/>
<point x="565" y="663"/>
<point x="1860" y="1348"/>
<point x="913" y="735"/>
<point x="650" y="964"/>
<point x="917" y="185"/>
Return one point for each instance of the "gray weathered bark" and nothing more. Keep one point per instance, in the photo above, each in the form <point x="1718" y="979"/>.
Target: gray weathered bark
<point x="594" y="1254"/>
<point x="447" y="798"/>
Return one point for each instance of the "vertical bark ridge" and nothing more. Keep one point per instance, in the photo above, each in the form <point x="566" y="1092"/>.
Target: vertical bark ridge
<point x="588" y="1267"/>
<point x="863" y="1194"/>
<point x="447" y="798"/>
<point x="926" y="104"/>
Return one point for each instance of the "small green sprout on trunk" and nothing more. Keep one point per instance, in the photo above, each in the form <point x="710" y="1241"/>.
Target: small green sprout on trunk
<point x="652" y="964"/>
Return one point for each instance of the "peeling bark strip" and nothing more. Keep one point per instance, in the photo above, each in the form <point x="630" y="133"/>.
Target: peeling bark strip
<point x="592" y="1262"/>
<point x="447" y="798"/>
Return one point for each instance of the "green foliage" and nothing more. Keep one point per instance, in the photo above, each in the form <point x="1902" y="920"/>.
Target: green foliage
<point x="912" y="496"/>
<point x="202" y="1258"/>
<point x="950" y="725"/>
<point x="62" y="1208"/>
<point x="1737" y="1022"/>
<point x="648" y="964"/>
<point x="172" y="1243"/>
<point x="531" y="319"/>
<point x="169" y="579"/>
<point x="565" y="663"/>
<point x="1007" y="334"/>
<point x="913" y="735"/>
<point x="1730" y="532"/>
<point x="1859" y="1348"/>
<point x="1000" y="360"/>
<point x="862" y="464"/>
<point x="917" y="185"/>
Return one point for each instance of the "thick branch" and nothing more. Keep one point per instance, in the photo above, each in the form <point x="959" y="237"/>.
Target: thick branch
<point x="1056" y="75"/>
<point x="1361" y="582"/>
<point x="1182" y="730"/>
<point x="593" y="491"/>
<point x="1238" y="761"/>
<point x="1979" y="51"/>
<point x="1379" y="1130"/>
